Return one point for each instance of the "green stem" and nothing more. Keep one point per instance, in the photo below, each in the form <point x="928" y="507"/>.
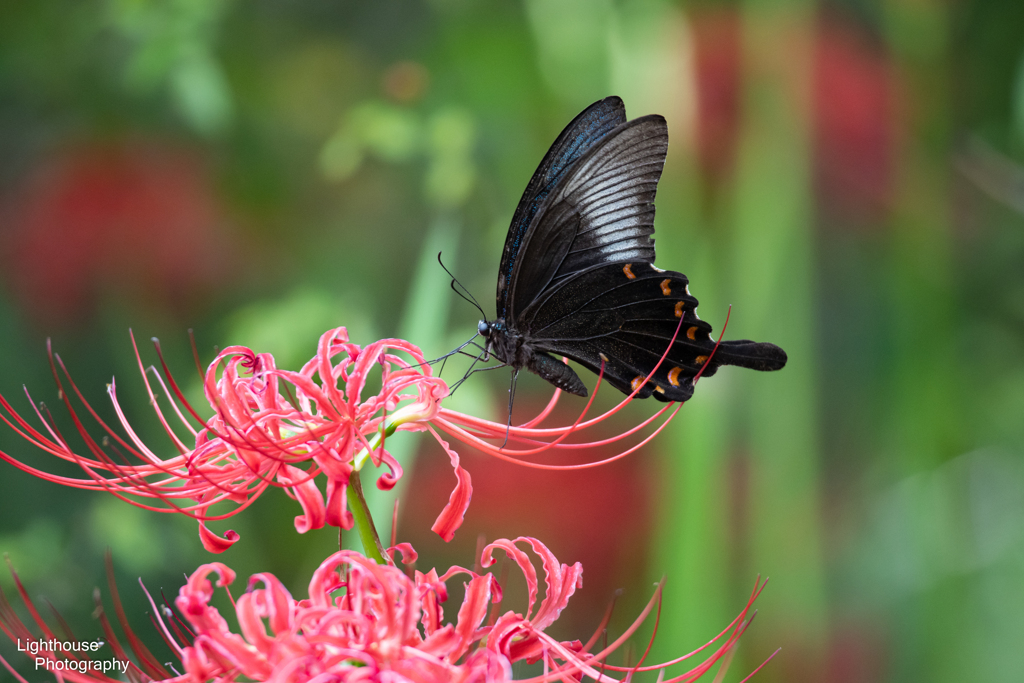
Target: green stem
<point x="375" y="440"/>
<point x="363" y="521"/>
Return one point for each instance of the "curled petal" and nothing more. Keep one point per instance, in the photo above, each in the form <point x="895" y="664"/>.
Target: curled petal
<point x="454" y="512"/>
<point x="305" y="491"/>
<point x="389" y="478"/>
<point x="327" y="578"/>
<point x="472" y="613"/>
<point x="198" y="589"/>
<point x="561" y="580"/>
<point x="433" y="592"/>
<point x="521" y="559"/>
<point x="506" y="629"/>
<point x="214" y="543"/>
<point x="337" y="512"/>
<point x="409" y="555"/>
<point x="273" y="603"/>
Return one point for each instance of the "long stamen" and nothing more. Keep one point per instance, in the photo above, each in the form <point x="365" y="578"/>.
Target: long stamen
<point x="267" y="422"/>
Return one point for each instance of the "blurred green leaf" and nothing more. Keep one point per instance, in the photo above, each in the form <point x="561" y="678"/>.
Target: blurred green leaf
<point x="202" y="94"/>
<point x="775" y="289"/>
<point x="960" y="517"/>
<point x="341" y="155"/>
<point x="572" y="46"/>
<point x="424" y="320"/>
<point x="451" y="173"/>
<point x="386" y="131"/>
<point x="130" y="533"/>
<point x="392" y="133"/>
<point x="172" y="42"/>
<point x="36" y="549"/>
<point x="1017" y="102"/>
<point x="452" y="132"/>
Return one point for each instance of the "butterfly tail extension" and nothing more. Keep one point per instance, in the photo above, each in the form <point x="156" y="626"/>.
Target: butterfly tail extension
<point x="750" y="354"/>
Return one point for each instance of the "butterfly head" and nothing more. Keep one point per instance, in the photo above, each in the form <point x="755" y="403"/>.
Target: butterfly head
<point x="500" y="340"/>
<point x="488" y="328"/>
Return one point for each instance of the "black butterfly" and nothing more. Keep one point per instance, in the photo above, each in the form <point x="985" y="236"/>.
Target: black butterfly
<point x="577" y="275"/>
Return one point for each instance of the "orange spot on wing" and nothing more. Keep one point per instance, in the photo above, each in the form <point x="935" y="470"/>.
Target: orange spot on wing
<point x="637" y="381"/>
<point x="665" y="289"/>
<point x="673" y="376"/>
<point x="700" y="360"/>
<point x="628" y="270"/>
<point x="691" y="333"/>
<point x="680" y="305"/>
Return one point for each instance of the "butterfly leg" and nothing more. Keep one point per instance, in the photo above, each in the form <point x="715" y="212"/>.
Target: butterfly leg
<point x="511" y="399"/>
<point x="447" y="355"/>
<point x="472" y="370"/>
<point x="476" y="359"/>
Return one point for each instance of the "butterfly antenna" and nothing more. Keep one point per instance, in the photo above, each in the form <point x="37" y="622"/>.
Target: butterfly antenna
<point x="468" y="296"/>
<point x="511" y="399"/>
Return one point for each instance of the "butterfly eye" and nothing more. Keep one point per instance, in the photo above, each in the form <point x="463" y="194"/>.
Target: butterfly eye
<point x="483" y="327"/>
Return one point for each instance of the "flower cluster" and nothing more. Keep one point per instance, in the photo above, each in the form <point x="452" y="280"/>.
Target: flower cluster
<point x="310" y="432"/>
<point x="285" y="428"/>
<point x="369" y="622"/>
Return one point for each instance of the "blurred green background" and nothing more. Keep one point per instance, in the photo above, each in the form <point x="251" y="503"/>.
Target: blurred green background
<point x="847" y="174"/>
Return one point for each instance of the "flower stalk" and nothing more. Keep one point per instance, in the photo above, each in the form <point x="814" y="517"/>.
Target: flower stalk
<point x="364" y="525"/>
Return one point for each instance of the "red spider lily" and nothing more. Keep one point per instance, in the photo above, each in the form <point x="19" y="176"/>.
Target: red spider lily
<point x="268" y="421"/>
<point x="384" y="625"/>
<point x="133" y="215"/>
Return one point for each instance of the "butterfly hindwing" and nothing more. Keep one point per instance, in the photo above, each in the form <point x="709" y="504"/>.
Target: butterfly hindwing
<point x="585" y="131"/>
<point x="628" y="313"/>
<point x="601" y="211"/>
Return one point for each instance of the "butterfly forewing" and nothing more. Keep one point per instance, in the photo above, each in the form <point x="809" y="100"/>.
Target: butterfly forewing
<point x="601" y="211"/>
<point x="613" y="191"/>
<point x="585" y="131"/>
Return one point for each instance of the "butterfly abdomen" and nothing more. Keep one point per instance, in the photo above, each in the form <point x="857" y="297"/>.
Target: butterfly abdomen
<point x="556" y="372"/>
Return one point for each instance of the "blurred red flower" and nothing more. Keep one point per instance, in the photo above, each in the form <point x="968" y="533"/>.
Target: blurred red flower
<point x="717" y="64"/>
<point x="136" y="220"/>
<point x="853" y="110"/>
<point x="855" y="123"/>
